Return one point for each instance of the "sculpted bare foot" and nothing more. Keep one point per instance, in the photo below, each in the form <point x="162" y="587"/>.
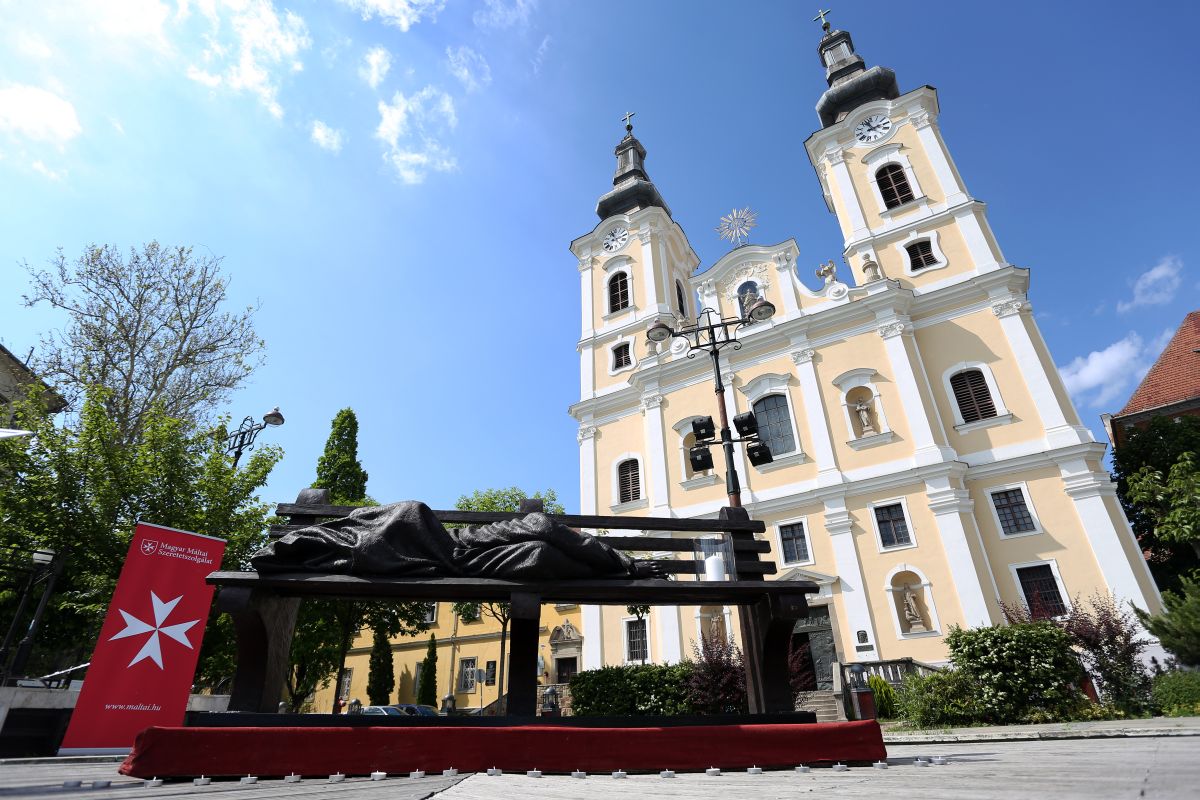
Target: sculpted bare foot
<point x="645" y="568"/>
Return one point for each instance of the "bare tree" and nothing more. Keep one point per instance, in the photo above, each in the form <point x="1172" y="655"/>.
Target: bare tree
<point x="150" y="329"/>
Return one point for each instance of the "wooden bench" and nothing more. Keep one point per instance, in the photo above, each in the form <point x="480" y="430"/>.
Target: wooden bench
<point x="264" y="607"/>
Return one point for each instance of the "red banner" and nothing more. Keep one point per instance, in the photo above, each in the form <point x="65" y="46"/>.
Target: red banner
<point x="145" y="659"/>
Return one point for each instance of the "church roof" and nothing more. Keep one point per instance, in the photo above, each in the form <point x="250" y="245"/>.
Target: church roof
<point x="1175" y="376"/>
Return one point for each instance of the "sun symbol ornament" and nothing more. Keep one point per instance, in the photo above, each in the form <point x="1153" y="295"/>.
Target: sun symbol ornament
<point x="735" y="226"/>
<point x="152" y="649"/>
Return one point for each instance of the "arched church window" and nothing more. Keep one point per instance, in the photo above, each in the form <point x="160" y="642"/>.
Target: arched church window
<point x="972" y="395"/>
<point x="920" y="255"/>
<point x="618" y="292"/>
<point x="893" y="185"/>
<point x="621" y="356"/>
<point x="680" y="303"/>
<point x="775" y="424"/>
<point x="629" y="481"/>
<point x="747" y="293"/>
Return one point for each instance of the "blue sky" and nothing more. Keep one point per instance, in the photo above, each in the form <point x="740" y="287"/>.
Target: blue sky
<point x="397" y="182"/>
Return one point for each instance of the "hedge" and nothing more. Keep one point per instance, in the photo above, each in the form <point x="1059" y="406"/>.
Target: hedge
<point x="632" y="691"/>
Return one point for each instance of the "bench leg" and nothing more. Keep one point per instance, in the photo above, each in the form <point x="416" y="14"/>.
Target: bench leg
<point x="766" y="643"/>
<point x="523" y="650"/>
<point x="264" y="624"/>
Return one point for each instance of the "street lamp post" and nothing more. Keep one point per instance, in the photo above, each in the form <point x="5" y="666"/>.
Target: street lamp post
<point x="46" y="565"/>
<point x="243" y="438"/>
<point x="712" y="333"/>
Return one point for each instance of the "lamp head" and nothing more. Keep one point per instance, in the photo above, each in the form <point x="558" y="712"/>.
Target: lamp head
<point x="700" y="459"/>
<point x="43" y="557"/>
<point x="761" y="309"/>
<point x="746" y="424"/>
<point x="273" y="417"/>
<point x="759" y="454"/>
<point x="659" y="331"/>
<point x="704" y="429"/>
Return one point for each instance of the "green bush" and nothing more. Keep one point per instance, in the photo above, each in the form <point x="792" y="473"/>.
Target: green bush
<point x="631" y="691"/>
<point x="945" y="698"/>
<point x="1021" y="672"/>
<point x="1177" y="693"/>
<point x="885" y="697"/>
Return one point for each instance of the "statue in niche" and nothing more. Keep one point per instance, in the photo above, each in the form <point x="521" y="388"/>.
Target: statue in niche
<point x="407" y="540"/>
<point x="863" y="409"/>
<point x="913" y="614"/>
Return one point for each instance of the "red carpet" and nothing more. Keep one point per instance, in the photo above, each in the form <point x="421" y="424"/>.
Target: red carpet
<point x="182" y="752"/>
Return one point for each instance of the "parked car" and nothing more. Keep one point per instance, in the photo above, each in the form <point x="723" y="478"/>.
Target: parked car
<point x="414" y="710"/>
<point x="384" y="710"/>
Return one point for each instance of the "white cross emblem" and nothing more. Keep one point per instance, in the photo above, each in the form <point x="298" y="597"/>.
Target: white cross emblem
<point x="152" y="649"/>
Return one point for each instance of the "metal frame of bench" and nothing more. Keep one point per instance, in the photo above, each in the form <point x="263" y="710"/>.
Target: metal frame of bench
<point x="264" y="607"/>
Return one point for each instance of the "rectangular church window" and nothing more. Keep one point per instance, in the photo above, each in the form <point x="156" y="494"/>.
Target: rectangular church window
<point x="893" y="527"/>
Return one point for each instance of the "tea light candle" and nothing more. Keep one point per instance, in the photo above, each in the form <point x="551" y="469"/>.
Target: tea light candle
<point x="378" y="776"/>
<point x="72" y="784"/>
<point x="337" y="777"/>
<point x="449" y="773"/>
<point x="880" y="765"/>
<point x="803" y="768"/>
<point x="293" y="778"/>
<point x="534" y="773"/>
<point x="417" y="773"/>
<point x="620" y="774"/>
<point x="101" y="784"/>
<point x="201" y="781"/>
<point x="578" y="774"/>
<point x="840" y="768"/>
<point x="667" y="773"/>
<point x="493" y="772"/>
<point x="152" y="783"/>
<point x="754" y="771"/>
<point x="940" y="760"/>
<point x="713" y="771"/>
<point x="249" y="779"/>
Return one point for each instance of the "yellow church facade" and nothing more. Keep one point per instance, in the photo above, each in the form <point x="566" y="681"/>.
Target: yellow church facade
<point x="929" y="466"/>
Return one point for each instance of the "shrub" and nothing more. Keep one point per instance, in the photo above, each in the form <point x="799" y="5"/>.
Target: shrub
<point x="885" y="697"/>
<point x="1178" y="627"/>
<point x="631" y="691"/>
<point x="1177" y="693"/>
<point x="1110" y="644"/>
<point x="718" y="681"/>
<point x="943" y="698"/>
<point x="1020" y="672"/>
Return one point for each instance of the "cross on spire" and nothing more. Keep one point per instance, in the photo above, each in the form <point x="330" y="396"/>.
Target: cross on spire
<point x="628" y="125"/>
<point x="821" y="16"/>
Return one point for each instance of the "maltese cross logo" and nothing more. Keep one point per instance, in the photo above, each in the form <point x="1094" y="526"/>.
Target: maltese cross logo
<point x="148" y="547"/>
<point x="152" y="649"/>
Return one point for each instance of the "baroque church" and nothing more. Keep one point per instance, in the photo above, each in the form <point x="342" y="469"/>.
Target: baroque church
<point x="928" y="468"/>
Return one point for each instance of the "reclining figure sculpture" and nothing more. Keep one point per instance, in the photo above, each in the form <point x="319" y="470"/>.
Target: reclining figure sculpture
<point x="406" y="539"/>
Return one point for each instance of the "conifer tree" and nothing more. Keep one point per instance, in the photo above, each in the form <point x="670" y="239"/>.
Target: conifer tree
<point x="382" y="678"/>
<point x="427" y="686"/>
<point x="339" y="469"/>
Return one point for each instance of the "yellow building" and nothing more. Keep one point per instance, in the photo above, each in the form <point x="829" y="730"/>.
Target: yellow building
<point x="928" y="463"/>
<point x="468" y="663"/>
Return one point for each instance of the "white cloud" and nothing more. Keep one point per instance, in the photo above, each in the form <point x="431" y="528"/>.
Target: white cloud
<point x="410" y="128"/>
<point x="499" y="14"/>
<point x="1156" y="286"/>
<point x="1103" y="378"/>
<point x="376" y="64"/>
<point x="116" y="21"/>
<point x="31" y="45"/>
<point x="54" y="175"/>
<point x="402" y="14"/>
<point x="263" y="43"/>
<point x="38" y="115"/>
<point x="540" y="56"/>
<point x="469" y="67"/>
<point x="326" y="138"/>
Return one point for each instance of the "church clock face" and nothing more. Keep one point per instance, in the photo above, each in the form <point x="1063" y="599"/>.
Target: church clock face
<point x="615" y="239"/>
<point x="872" y="129"/>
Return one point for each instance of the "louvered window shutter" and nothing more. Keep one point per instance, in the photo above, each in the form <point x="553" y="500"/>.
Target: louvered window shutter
<point x="629" y="480"/>
<point x="972" y="395"/>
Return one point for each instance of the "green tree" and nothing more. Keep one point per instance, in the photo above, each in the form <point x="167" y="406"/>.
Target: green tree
<point x="382" y="678"/>
<point x="1172" y="501"/>
<point x="1158" y="445"/>
<point x="81" y="488"/>
<point x="150" y="328"/>
<point x="326" y="628"/>
<point x="500" y="500"/>
<point x="1178" y="627"/>
<point x="427" y="687"/>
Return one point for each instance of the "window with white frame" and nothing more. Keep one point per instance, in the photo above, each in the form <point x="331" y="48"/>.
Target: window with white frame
<point x="972" y="396"/>
<point x="794" y="541"/>
<point x="1041" y="589"/>
<point x="920" y="255"/>
<point x="637" y="643"/>
<point x="466" y="674"/>
<point x="417" y="677"/>
<point x="629" y="481"/>
<point x="431" y="610"/>
<point x="1012" y="511"/>
<point x="621" y="356"/>
<point x="892" y="525"/>
<point x="775" y="424"/>
<point x="618" y="292"/>
<point x="893" y="185"/>
<point x="489" y="676"/>
<point x="680" y="302"/>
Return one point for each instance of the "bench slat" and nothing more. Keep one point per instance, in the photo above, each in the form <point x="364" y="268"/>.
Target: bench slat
<point x="573" y="520"/>
<point x="603" y="592"/>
